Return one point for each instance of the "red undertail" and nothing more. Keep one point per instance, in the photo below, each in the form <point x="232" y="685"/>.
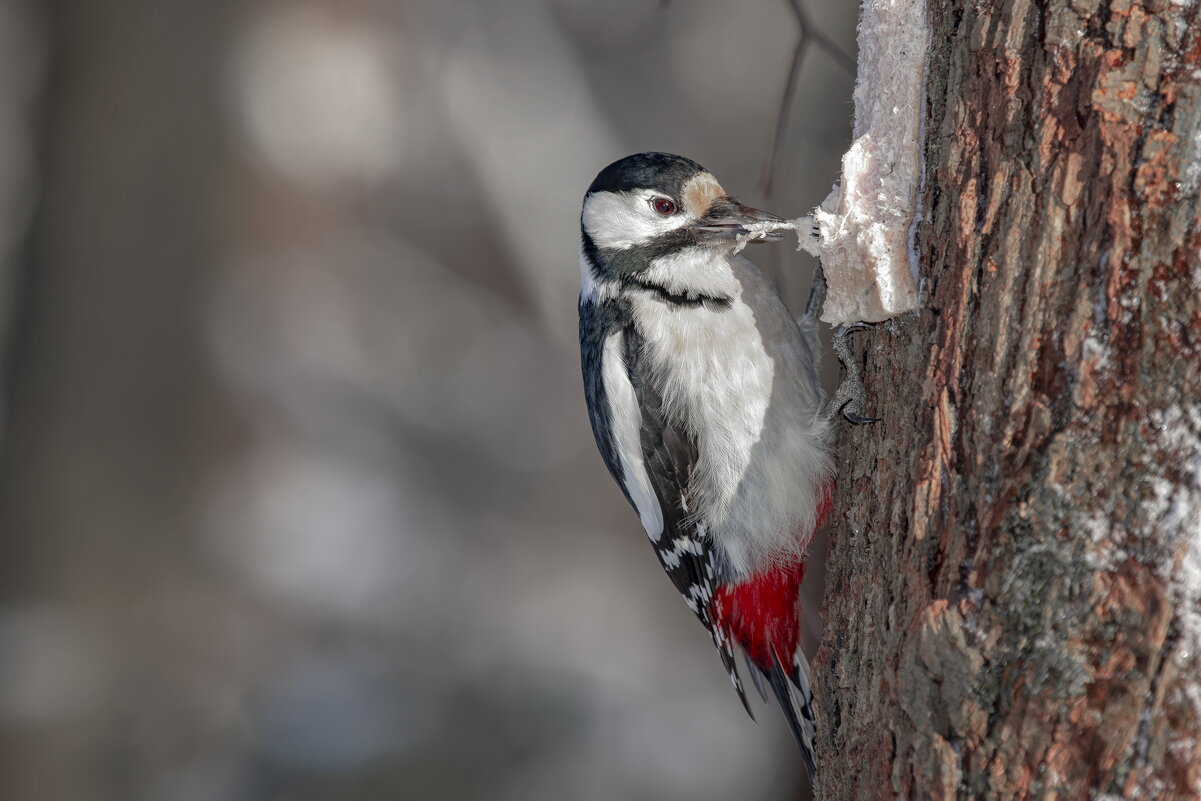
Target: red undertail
<point x="762" y="612"/>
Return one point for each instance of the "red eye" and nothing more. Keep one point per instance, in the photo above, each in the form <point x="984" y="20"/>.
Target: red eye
<point x="664" y="206"/>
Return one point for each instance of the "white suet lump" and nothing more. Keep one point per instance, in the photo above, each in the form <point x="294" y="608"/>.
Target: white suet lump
<point x="867" y="223"/>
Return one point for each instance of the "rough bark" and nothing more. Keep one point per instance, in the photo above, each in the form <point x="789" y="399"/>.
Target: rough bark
<point x="1007" y="611"/>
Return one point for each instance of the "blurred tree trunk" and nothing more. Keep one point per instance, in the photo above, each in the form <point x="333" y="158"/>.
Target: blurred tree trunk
<point x="108" y="406"/>
<point x="1009" y="611"/>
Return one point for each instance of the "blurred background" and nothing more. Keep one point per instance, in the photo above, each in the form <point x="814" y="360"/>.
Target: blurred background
<point x="298" y="497"/>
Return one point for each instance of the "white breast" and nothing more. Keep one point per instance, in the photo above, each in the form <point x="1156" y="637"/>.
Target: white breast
<point x="742" y="379"/>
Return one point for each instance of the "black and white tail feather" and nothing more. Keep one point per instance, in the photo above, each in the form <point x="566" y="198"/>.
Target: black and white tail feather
<point x="795" y="696"/>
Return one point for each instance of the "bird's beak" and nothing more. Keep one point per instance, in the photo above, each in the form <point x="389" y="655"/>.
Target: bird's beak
<point x="728" y="219"/>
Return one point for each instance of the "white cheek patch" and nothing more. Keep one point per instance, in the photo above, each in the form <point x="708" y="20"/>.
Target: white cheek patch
<point x="621" y="220"/>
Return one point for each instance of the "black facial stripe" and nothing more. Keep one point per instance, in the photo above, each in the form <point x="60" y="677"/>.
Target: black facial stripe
<point x="625" y="262"/>
<point x="633" y="260"/>
<point x="628" y="265"/>
<point x="689" y="300"/>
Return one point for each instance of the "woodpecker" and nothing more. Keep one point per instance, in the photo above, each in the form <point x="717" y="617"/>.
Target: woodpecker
<point x="704" y="398"/>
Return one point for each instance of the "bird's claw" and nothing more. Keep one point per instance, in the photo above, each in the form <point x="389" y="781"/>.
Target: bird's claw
<point x="850" y="400"/>
<point x="860" y="420"/>
<point x="848" y="403"/>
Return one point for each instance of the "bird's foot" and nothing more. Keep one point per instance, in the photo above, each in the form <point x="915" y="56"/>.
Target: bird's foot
<point x="850" y="401"/>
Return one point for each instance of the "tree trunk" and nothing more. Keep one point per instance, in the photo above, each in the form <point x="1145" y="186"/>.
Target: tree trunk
<point x="1012" y="607"/>
<point x="109" y="413"/>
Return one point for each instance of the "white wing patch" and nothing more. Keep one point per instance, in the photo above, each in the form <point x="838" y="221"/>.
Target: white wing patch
<point x="625" y="422"/>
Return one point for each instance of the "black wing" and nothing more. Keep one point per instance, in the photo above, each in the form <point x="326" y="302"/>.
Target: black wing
<point x="597" y="322"/>
<point x="669" y="456"/>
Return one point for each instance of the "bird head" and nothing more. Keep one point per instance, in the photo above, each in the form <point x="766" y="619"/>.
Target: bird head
<point x="659" y="203"/>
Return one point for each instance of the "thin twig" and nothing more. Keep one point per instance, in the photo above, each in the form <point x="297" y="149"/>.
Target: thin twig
<point x="785" y="105"/>
<point x="805" y="32"/>
<point x="832" y="48"/>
